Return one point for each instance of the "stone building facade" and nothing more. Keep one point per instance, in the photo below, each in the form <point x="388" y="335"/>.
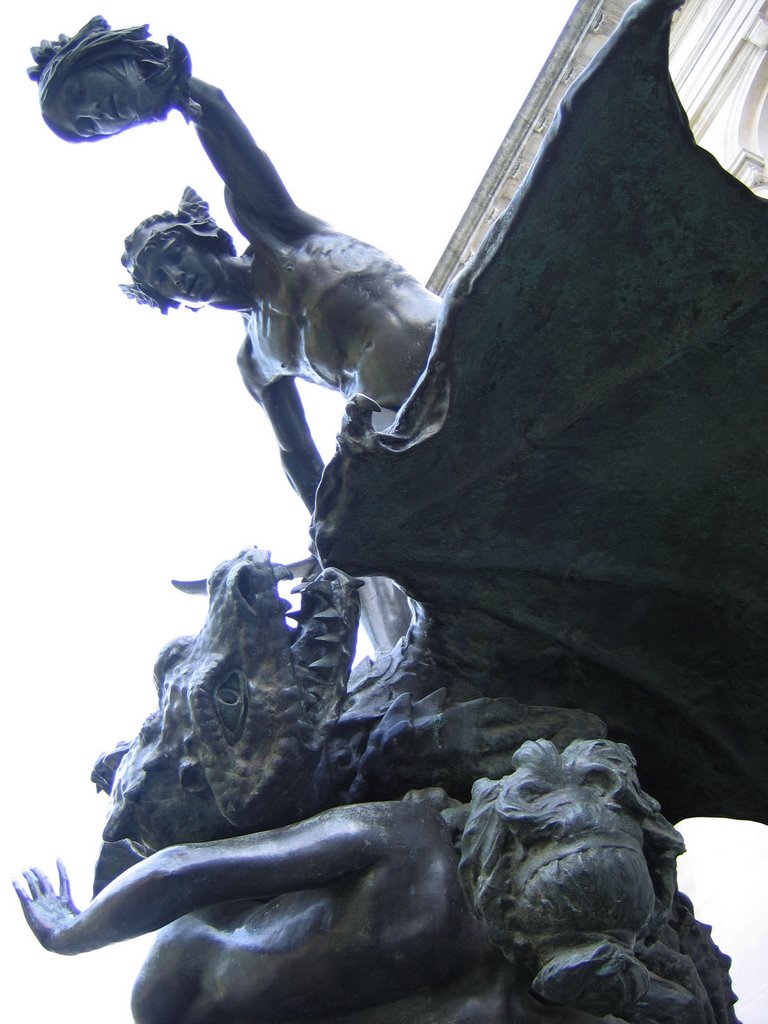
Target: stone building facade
<point x="719" y="63"/>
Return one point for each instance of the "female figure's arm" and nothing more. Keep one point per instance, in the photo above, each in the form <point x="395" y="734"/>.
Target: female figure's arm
<point x="182" y="879"/>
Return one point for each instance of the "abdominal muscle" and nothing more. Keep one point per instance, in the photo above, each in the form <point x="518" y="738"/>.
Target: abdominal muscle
<point x="355" y="325"/>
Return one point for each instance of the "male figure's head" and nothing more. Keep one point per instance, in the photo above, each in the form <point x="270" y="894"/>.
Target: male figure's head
<point x="183" y="257"/>
<point x="101" y="81"/>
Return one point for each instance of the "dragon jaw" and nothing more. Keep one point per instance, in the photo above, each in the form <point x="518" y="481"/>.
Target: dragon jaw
<point x="245" y="707"/>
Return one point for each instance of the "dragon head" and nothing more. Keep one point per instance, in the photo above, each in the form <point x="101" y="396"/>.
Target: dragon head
<point x="245" y="707"/>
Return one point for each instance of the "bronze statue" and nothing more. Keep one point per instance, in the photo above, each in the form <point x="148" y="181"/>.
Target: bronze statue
<point x="375" y="887"/>
<point x="102" y="80"/>
<point x="246" y="853"/>
<point x="360" y="904"/>
<point x="221" y="799"/>
<point x="591" y="431"/>
<point x="234" y="828"/>
<point x="317" y="303"/>
<point x="579" y="509"/>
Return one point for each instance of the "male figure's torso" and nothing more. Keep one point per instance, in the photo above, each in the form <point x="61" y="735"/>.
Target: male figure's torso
<point x="337" y="312"/>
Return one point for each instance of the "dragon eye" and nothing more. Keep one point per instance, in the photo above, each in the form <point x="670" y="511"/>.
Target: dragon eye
<point x="230" y="701"/>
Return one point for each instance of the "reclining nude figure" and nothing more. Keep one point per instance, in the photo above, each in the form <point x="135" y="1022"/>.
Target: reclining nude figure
<point x="271" y="908"/>
<point x="354" y="915"/>
<point x="317" y="303"/>
<point x="280" y="894"/>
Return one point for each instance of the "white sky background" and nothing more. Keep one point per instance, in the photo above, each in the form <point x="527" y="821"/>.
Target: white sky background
<point x="132" y="453"/>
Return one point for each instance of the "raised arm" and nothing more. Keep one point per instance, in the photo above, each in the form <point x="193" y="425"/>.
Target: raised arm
<point x="182" y="879"/>
<point x="257" y="197"/>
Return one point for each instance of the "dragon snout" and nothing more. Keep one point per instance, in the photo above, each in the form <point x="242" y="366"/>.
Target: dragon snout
<point x="254" y="584"/>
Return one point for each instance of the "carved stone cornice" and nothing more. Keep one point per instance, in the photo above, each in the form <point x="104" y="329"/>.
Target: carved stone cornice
<point x="588" y="28"/>
<point x="718" y="61"/>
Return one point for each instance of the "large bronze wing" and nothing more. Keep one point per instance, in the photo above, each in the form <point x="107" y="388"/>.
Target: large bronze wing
<point x="577" y="489"/>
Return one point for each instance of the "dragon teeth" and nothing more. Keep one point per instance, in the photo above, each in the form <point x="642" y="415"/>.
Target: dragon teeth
<point x="327" y="662"/>
<point x="327" y="613"/>
<point x="328" y="638"/>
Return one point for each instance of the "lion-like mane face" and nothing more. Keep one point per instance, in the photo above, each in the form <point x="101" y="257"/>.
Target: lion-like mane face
<point x="546" y="831"/>
<point x="552" y="797"/>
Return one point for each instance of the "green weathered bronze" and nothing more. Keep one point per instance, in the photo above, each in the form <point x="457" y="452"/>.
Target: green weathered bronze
<point x="583" y="471"/>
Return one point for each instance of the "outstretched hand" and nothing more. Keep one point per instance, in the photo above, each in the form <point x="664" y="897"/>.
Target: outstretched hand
<point x="48" y="913"/>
